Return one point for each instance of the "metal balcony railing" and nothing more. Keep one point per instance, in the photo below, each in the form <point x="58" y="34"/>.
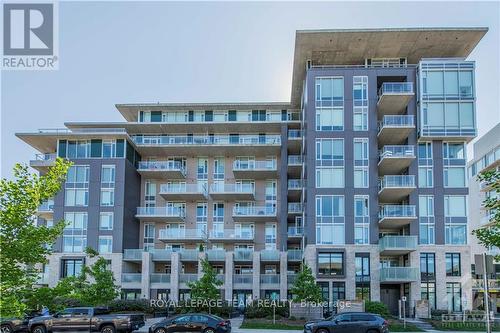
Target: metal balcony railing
<point x="161" y="254"/>
<point x="396" y="121"/>
<point x="396" y="88"/>
<point x="189" y="254"/>
<point x="159" y="278"/>
<point x="242" y="165"/>
<point x="254" y="211"/>
<point x="46" y="157"/>
<point x="294" y="134"/>
<point x="216" y="254"/>
<point x="270" y="278"/>
<point x="295" y="184"/>
<point x="174" y="140"/>
<point x="398" y="242"/>
<point x="232" y="188"/>
<point x="170" y="211"/>
<point x="294" y="160"/>
<point x="161" y="166"/>
<point x="397" y="151"/>
<point x="397" y="211"/>
<point x="295" y="231"/>
<point x="131" y="278"/>
<point x="294" y="207"/>
<point x="396" y="181"/>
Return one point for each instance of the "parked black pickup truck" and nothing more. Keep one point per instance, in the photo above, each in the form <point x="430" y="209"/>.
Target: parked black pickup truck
<point x="12" y="325"/>
<point x="86" y="319"/>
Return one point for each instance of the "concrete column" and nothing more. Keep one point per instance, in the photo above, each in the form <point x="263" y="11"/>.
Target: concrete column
<point x="256" y="276"/>
<point x="466" y="259"/>
<point x="441" y="299"/>
<point x="228" y="279"/>
<point x="350" y="274"/>
<point x="283" y="275"/>
<point x="174" y="276"/>
<point x="375" y="275"/>
<point x="310" y="258"/>
<point x="415" y="293"/>
<point x="146" y="273"/>
<point x="55" y="270"/>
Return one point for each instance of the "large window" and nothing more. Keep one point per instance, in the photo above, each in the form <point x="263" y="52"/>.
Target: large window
<point x="329" y="103"/>
<point x="361" y="159"/>
<point x="105" y="244"/>
<point x="71" y="267"/>
<point x="330" y="227"/>
<point x="454" y="296"/>
<point x="455" y="211"/>
<point x="270" y="236"/>
<point x="329" y="177"/>
<point x="454" y="117"/>
<point x="331" y="263"/>
<point x="108" y="185"/>
<point x="106" y="221"/>
<point x="427" y="266"/>
<point x="361" y="219"/>
<point x="362" y="265"/>
<point x="360" y="103"/>
<point x="78" y="149"/>
<point x="455" y="206"/>
<point x="454" y="176"/>
<point x="75" y="232"/>
<point x="453" y="264"/>
<point x="454" y="150"/>
<point x="329" y="151"/>
<point x="426" y="219"/>
<point x="77" y="186"/>
<point x="448" y="83"/>
<point x="149" y="237"/>
<point x="428" y="292"/>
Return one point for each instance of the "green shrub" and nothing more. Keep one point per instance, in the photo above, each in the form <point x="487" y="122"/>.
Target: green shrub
<point x="377" y="308"/>
<point x="265" y="310"/>
<point x="127" y="305"/>
<point x="224" y="311"/>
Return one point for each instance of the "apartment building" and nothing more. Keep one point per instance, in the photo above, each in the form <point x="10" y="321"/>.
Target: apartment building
<point x="362" y="175"/>
<point x="486" y="156"/>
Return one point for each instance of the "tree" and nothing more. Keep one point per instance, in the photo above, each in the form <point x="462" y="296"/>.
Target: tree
<point x="489" y="236"/>
<point x="206" y="288"/>
<point x="305" y="288"/>
<point x="23" y="244"/>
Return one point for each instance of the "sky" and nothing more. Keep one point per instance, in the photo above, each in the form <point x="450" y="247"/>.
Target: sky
<point x="131" y="52"/>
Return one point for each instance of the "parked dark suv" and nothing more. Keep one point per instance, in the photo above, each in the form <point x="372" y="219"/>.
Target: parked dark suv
<point x="192" y="322"/>
<point x="348" y="322"/>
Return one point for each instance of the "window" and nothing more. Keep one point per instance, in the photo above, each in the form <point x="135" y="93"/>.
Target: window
<point x="329" y="104"/>
<point x="454" y="150"/>
<point x="455" y="233"/>
<point x="77" y="186"/>
<point x="329" y="150"/>
<point x="219" y="168"/>
<point x="329" y="177"/>
<point x="330" y="227"/>
<point x="328" y="207"/>
<point x="426" y="219"/>
<point x="106" y="221"/>
<point x="428" y="292"/>
<point x="361" y="220"/>
<point x="75" y="232"/>
<point x="455" y="206"/>
<point x="149" y="237"/>
<point x="360" y="103"/>
<point x="427" y="266"/>
<point x="453" y="264"/>
<point x="453" y="116"/>
<point x="105" y="244"/>
<point x="361" y="162"/>
<point x="71" y="267"/>
<point x="454" y="296"/>
<point x="108" y="148"/>
<point x="425" y="176"/>
<point x="149" y="194"/>
<point x="78" y="149"/>
<point x="362" y="266"/>
<point x="454" y="176"/>
<point x="107" y="185"/>
<point x="270" y="236"/>
<point x="331" y="263"/>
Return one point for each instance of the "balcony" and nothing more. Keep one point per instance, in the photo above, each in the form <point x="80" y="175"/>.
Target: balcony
<point x="230" y="235"/>
<point x="395" y="188"/>
<point x="177" y="234"/>
<point x="161" y="214"/>
<point x="295" y="208"/>
<point x="177" y="145"/>
<point x="46" y="209"/>
<point x="243" y="254"/>
<point x="232" y="192"/>
<point x="132" y="254"/>
<point x="394" y="130"/>
<point x="399" y="274"/>
<point x="183" y="192"/>
<point x="216" y="255"/>
<point x="188" y="277"/>
<point x="159" y="280"/>
<point x="295" y="232"/>
<point x="294" y="139"/>
<point x="161" y="255"/>
<point x="295" y="165"/>
<point x="162" y="169"/>
<point x="291" y="278"/>
<point x="294" y="255"/>
<point x="269" y="255"/>
<point x="43" y="161"/>
<point x="254" y="214"/>
<point x="269" y="280"/>
<point x="396" y="216"/>
<point x="132" y="280"/>
<point x="397" y="245"/>
<point x="189" y="254"/>
<point x="255" y="169"/>
<point x="242" y="281"/>
<point x="478" y="284"/>
<point x="393" y="97"/>
<point x="394" y="160"/>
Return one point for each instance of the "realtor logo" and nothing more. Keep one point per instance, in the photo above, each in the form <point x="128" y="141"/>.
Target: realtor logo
<point x="29" y="36"/>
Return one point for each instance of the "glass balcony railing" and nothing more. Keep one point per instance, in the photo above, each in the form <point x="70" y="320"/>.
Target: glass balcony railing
<point x="159" y="278"/>
<point x="295" y="184"/>
<point x="398" y="242"/>
<point x="161" y="166"/>
<point x="399" y="274"/>
<point x="254" y="211"/>
<point x="162" y="211"/>
<point x="269" y="255"/>
<point x="132" y="254"/>
<point x="291" y="278"/>
<point x="396" y="88"/>
<point x="396" y="181"/>
<point x="396" y="121"/>
<point x="294" y="134"/>
<point x="175" y="140"/>
<point x="295" y="231"/>
<point x="243" y="254"/>
<point x="161" y="254"/>
<point x="294" y="207"/>
<point x="188" y="277"/>
<point x="242" y="278"/>
<point x="395" y="211"/>
<point x="270" y="278"/>
<point x="294" y="160"/>
<point x="183" y="188"/>
<point x="189" y="254"/>
<point x="397" y="151"/>
<point x="179" y="233"/>
<point x="294" y="255"/>
<point x="232" y="188"/>
<point x="47" y="206"/>
<point x="216" y="254"/>
<point x="50" y="157"/>
<point x="232" y="234"/>
<point x="241" y="165"/>
<point x="131" y="278"/>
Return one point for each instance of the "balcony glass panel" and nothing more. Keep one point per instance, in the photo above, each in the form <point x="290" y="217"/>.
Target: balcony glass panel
<point x="397" y="211"/>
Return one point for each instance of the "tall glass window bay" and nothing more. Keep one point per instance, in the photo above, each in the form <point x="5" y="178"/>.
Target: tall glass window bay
<point x="329" y="103"/>
<point x="330" y="227"/>
<point x="77" y="186"/>
<point x="426" y="219"/>
<point x="360" y="103"/>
